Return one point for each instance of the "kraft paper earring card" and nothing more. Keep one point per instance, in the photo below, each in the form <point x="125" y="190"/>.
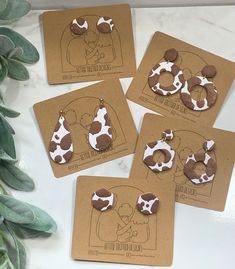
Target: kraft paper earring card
<point x="193" y="87"/>
<point x="202" y="165"/>
<point x="122" y="233"/>
<point x="87" y="44"/>
<point x="70" y="122"/>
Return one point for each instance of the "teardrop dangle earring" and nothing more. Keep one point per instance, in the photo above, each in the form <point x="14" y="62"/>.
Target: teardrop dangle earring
<point x="61" y="146"/>
<point x="100" y="134"/>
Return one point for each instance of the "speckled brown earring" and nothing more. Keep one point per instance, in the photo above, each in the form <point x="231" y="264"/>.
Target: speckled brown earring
<point x="165" y="148"/>
<point x="102" y="199"/>
<point x="100" y="134"/>
<point x="147" y="203"/>
<point x="209" y="71"/>
<point x="167" y="66"/>
<point x="206" y="159"/>
<point x="61" y="146"/>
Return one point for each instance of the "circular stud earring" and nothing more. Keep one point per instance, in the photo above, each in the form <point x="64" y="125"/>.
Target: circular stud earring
<point x="162" y="146"/>
<point x="102" y="199"/>
<point x="147" y="204"/>
<point x="105" y="25"/>
<point x="167" y="66"/>
<point x="78" y="26"/>
<point x="209" y="71"/>
<point x="206" y="159"/>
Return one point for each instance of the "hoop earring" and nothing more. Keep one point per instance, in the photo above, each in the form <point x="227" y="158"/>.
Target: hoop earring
<point x="206" y="159"/>
<point x="167" y="66"/>
<point x="209" y="71"/>
<point x="165" y="148"/>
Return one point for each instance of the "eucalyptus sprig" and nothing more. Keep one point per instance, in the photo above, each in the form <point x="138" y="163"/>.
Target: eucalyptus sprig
<point x="18" y="220"/>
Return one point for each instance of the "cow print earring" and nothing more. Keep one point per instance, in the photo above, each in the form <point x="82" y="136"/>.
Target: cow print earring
<point x="162" y="146"/>
<point x="61" y="146"/>
<point x="105" y="25"/>
<point x="147" y="204"/>
<point x="167" y="66"/>
<point x="206" y="159"/>
<point x="209" y="71"/>
<point x="102" y="199"/>
<point x="78" y="26"/>
<point x="100" y="134"/>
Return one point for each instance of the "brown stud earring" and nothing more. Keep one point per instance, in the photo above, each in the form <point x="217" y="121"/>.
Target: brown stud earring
<point x="102" y="199"/>
<point x="209" y="71"/>
<point x="105" y="25"/>
<point x="167" y="66"/>
<point x="147" y="204"/>
<point x="78" y="26"/>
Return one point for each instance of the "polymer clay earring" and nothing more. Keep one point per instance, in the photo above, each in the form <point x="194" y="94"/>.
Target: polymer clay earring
<point x="100" y="134"/>
<point x="165" y="148"/>
<point x="209" y="71"/>
<point x="61" y="146"/>
<point x="102" y="199"/>
<point x="206" y="159"/>
<point x="167" y="66"/>
<point x="78" y="26"/>
<point x="147" y="204"/>
<point x="105" y="25"/>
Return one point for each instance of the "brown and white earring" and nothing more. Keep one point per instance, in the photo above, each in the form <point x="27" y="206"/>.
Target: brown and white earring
<point x="100" y="134"/>
<point x="102" y="199"/>
<point x="61" y="146"/>
<point x="209" y="71"/>
<point x="167" y="66"/>
<point x="79" y="26"/>
<point x="147" y="204"/>
<point x="206" y="159"/>
<point x="165" y="148"/>
<point x="105" y="25"/>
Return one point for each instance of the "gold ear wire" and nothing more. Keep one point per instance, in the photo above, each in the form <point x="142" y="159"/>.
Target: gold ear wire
<point x="101" y="101"/>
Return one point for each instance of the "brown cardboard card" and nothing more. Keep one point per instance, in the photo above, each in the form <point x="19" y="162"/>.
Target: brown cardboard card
<point x="188" y="139"/>
<point x="80" y="107"/>
<point x="92" y="55"/>
<point x="123" y="234"/>
<point x="191" y="60"/>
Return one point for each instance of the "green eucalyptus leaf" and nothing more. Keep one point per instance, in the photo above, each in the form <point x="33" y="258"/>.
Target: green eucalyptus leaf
<point x="3" y="5"/>
<point x="7" y="112"/>
<point x="15" y="249"/>
<point x="6" y="45"/>
<point x="42" y="221"/>
<point x="15" y="178"/>
<point x="1" y="221"/>
<point x="15" y="9"/>
<point x="16" y="52"/>
<point x="4" y="69"/>
<point x="6" y="124"/>
<point x="4" y="260"/>
<point x="15" y="211"/>
<point x="2" y="190"/>
<point x="17" y="70"/>
<point x="30" y="54"/>
<point x="26" y="233"/>
<point x="6" y="158"/>
<point x="6" y="139"/>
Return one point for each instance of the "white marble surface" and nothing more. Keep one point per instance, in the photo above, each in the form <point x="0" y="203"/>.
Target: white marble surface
<point x="203" y="239"/>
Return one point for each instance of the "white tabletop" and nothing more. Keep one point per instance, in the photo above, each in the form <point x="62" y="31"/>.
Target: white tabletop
<point x="203" y="238"/>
